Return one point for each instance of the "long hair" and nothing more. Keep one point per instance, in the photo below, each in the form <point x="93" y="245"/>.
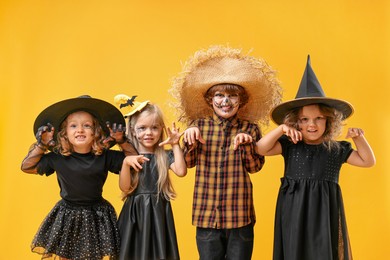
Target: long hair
<point x="65" y="148"/>
<point x="334" y="123"/>
<point x="164" y="185"/>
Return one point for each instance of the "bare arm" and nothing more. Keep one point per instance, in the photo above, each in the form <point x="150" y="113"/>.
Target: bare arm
<point x="179" y="166"/>
<point x="363" y="156"/>
<point x="269" y="144"/>
<point x="126" y="176"/>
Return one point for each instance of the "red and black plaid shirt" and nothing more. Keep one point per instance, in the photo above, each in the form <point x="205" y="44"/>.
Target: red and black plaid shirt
<point x="223" y="188"/>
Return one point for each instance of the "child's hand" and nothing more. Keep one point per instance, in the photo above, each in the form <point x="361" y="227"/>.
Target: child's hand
<point x="44" y="135"/>
<point x="173" y="136"/>
<point x="241" y="138"/>
<point x="192" y="135"/>
<point x="292" y="132"/>
<point x="117" y="133"/>
<point x="135" y="161"/>
<point x="354" y="132"/>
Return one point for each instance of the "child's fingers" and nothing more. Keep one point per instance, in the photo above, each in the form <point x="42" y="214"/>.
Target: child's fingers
<point x="200" y="139"/>
<point x="168" y="131"/>
<point x="294" y="135"/>
<point x="163" y="143"/>
<point x="187" y="137"/>
<point x="142" y="159"/>
<point x="354" y="132"/>
<point x="191" y="137"/>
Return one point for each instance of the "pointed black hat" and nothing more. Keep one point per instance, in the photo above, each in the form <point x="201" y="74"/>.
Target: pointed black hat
<point x="310" y="92"/>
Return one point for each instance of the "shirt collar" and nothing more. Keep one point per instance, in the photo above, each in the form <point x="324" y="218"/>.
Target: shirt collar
<point x="225" y="121"/>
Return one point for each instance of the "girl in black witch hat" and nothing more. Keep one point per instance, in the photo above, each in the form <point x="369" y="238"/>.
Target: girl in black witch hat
<point x="310" y="221"/>
<point x="82" y="225"/>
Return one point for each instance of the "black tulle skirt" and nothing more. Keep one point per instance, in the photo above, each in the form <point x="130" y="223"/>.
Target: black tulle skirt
<point x="78" y="232"/>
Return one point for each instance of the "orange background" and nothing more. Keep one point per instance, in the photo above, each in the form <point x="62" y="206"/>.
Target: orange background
<point x="53" y="50"/>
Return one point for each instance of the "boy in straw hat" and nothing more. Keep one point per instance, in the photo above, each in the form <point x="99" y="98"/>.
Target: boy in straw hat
<point x="222" y="94"/>
<point x="310" y="221"/>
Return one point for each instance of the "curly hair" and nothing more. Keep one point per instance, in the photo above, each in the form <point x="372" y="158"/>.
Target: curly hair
<point x="65" y="148"/>
<point x="334" y="123"/>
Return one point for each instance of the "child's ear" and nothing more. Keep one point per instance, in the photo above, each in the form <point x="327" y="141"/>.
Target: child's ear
<point x="208" y="100"/>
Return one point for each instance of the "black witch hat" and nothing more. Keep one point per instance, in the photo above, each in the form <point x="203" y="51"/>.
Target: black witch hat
<point x="101" y="110"/>
<point x="310" y="92"/>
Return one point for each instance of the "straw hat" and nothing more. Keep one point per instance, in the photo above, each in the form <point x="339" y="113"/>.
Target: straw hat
<point x="310" y="92"/>
<point x="220" y="64"/>
<point x="129" y="106"/>
<point x="57" y="113"/>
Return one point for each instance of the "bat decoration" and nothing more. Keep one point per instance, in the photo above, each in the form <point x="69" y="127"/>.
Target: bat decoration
<point x="124" y="101"/>
<point x="127" y="105"/>
<point x="129" y="102"/>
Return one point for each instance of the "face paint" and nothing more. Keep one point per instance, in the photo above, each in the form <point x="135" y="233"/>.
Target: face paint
<point x="226" y="100"/>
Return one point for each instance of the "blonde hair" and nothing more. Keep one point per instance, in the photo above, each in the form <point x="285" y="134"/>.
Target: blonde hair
<point x="65" y="148"/>
<point x="334" y="123"/>
<point x="164" y="185"/>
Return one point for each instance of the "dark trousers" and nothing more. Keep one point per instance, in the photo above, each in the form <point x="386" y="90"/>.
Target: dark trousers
<point x="230" y="244"/>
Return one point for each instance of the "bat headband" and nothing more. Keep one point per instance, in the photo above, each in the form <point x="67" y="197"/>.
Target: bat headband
<point x="129" y="106"/>
<point x="101" y="110"/>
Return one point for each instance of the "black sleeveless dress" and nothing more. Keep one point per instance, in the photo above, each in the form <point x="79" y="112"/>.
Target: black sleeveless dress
<point x="146" y="224"/>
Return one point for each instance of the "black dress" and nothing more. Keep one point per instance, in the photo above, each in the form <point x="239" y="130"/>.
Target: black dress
<point x="146" y="223"/>
<point x="310" y="222"/>
<point x="82" y="225"/>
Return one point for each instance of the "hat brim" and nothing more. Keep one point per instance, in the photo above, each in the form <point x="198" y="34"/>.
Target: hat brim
<point x="139" y="107"/>
<point x="224" y="65"/>
<point x="279" y="112"/>
<point x="101" y="110"/>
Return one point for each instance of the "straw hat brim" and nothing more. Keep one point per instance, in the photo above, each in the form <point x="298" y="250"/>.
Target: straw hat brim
<point x="101" y="110"/>
<point x="219" y="65"/>
<point x="279" y="112"/>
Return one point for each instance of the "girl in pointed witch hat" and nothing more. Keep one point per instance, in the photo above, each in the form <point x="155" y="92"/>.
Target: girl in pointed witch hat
<point x="82" y="225"/>
<point x="310" y="221"/>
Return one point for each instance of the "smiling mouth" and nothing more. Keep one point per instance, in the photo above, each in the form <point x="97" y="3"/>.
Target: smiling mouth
<point x="226" y="108"/>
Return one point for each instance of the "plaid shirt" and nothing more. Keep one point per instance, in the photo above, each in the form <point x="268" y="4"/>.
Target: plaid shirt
<point x="223" y="189"/>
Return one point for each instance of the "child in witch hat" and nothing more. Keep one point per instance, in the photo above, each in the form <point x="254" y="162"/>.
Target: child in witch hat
<point x="310" y="220"/>
<point x="82" y="225"/>
<point x="223" y="94"/>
